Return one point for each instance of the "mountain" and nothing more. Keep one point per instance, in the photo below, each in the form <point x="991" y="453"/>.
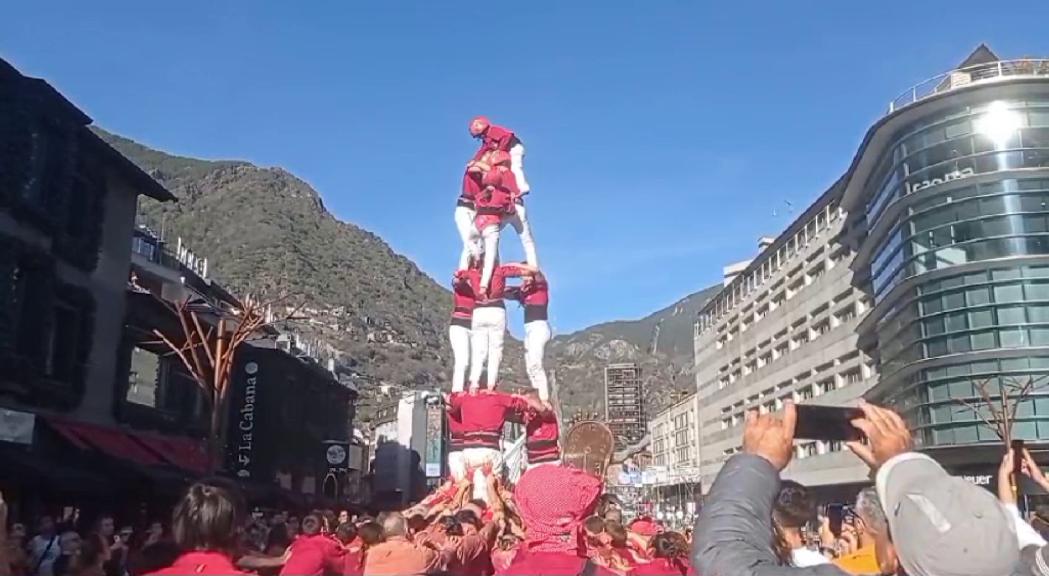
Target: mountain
<point x="661" y="343"/>
<point x="265" y="231"/>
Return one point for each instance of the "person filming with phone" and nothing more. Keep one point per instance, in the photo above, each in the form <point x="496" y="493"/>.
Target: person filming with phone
<point x="936" y="524"/>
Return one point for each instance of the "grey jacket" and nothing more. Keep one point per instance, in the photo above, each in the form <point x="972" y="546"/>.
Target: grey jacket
<point x="733" y="534"/>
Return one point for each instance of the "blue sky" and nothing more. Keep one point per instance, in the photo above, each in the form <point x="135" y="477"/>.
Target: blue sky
<point x="661" y="135"/>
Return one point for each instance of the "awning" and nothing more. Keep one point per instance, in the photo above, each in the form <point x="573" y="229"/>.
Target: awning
<point x="110" y="441"/>
<point x="29" y="469"/>
<point x="185" y="453"/>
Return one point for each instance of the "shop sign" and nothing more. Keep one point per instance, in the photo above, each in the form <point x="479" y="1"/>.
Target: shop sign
<point x="948" y="177"/>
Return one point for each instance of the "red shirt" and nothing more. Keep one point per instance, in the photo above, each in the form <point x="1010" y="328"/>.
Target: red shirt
<point x="535" y="291"/>
<point x="496" y="286"/>
<point x="496" y="138"/>
<point x="353" y="561"/>
<point x="313" y="555"/>
<point x="455" y="430"/>
<point x="471" y="187"/>
<point x="483" y="415"/>
<point x="463" y="296"/>
<point x="496" y="199"/>
<point x="541" y="434"/>
<point x="201" y="563"/>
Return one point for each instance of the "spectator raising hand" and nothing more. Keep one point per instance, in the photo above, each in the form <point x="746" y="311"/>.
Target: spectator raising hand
<point x="887" y="436"/>
<point x="1030" y="469"/>
<point x="771" y="437"/>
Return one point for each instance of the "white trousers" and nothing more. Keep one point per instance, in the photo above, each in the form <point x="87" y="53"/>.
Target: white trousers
<point x="537" y="334"/>
<point x="464" y="221"/>
<point x="486" y="344"/>
<point x="490" y="240"/>
<point x="459" y="336"/>
<point x="517" y="154"/>
<point x="476" y="459"/>
<point x="456" y="467"/>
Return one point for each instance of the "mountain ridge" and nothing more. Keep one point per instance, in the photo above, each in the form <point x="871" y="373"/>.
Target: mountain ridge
<point x="264" y="230"/>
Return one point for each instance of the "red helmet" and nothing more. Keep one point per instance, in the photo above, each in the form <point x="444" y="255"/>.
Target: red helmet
<point x="478" y="125"/>
<point x="499" y="157"/>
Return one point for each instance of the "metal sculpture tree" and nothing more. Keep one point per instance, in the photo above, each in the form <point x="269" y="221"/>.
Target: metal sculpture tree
<point x="207" y="351"/>
<point x="997" y="408"/>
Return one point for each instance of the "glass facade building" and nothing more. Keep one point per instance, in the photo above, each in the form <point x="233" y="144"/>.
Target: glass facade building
<point x="953" y="193"/>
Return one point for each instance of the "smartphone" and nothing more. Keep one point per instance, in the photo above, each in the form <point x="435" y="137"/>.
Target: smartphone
<point x="835" y="513"/>
<point x="827" y="423"/>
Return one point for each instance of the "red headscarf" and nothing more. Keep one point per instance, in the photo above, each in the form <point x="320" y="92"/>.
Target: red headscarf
<point x="553" y="501"/>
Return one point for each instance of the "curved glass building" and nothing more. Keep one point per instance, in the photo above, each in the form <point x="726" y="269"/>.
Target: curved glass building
<point x="951" y="189"/>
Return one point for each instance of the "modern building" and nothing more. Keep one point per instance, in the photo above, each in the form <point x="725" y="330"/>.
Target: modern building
<point x="951" y="189"/>
<point x="920" y="280"/>
<point x="625" y="403"/>
<point x="784" y="329"/>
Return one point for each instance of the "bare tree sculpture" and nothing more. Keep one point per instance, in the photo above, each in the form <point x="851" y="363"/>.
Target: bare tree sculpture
<point x="997" y="409"/>
<point x="207" y="351"/>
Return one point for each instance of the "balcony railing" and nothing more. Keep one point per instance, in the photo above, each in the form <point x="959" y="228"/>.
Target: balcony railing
<point x="977" y="74"/>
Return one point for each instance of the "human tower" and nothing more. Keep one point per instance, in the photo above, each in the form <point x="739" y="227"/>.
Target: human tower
<point x="492" y="197"/>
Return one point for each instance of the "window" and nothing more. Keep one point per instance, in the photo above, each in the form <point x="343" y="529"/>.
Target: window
<point x="63" y="343"/>
<point x="807" y="450"/>
<point x="764" y="359"/>
<point x="825" y="386"/>
<point x="144" y="377"/>
<point x="853" y="377"/>
<point x="821" y="328"/>
<point x="805" y="393"/>
<point x="799" y="340"/>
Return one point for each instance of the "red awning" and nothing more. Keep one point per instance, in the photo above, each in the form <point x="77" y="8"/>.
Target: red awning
<point x="185" y="453"/>
<point x="110" y="441"/>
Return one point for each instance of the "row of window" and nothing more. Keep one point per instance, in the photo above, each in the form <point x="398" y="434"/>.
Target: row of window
<point x="973" y="228"/>
<point x="976" y="311"/>
<point x="785" y="342"/>
<point x="734" y="415"/>
<point x="947" y="146"/>
<point x="770" y="263"/>
<point x="932" y="399"/>
<point x="730" y="330"/>
<point x="1006" y="196"/>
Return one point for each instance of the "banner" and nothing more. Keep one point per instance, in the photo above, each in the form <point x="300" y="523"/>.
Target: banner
<point x="434" y="457"/>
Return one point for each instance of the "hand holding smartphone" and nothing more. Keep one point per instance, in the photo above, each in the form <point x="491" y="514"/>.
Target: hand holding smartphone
<point x="830" y="423"/>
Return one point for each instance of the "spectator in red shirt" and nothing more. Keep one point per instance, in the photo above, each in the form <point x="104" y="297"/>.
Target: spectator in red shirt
<point x="314" y="552"/>
<point x="205" y="525"/>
